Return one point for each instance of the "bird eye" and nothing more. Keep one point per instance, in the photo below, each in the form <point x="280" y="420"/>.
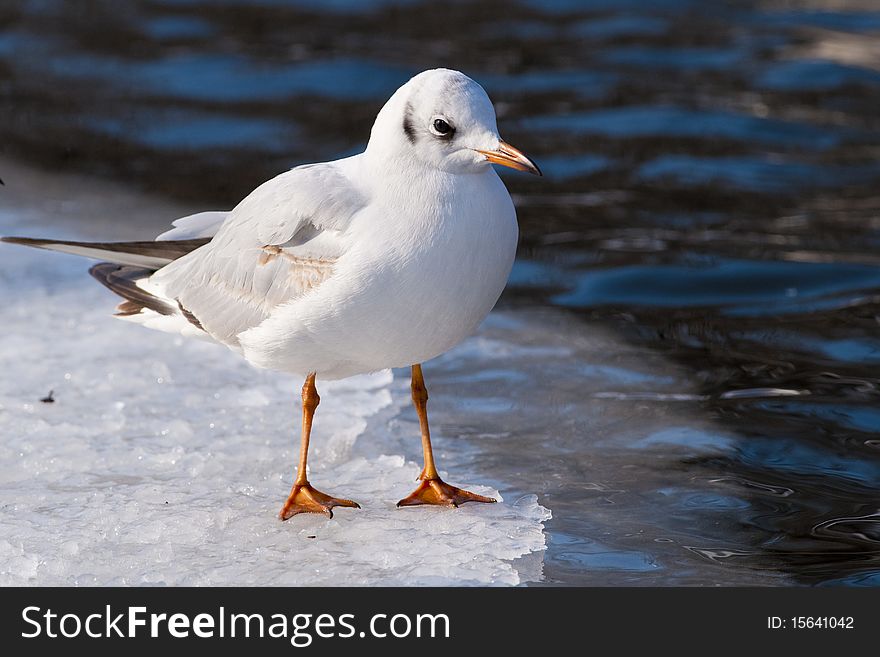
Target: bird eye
<point x="441" y="128"/>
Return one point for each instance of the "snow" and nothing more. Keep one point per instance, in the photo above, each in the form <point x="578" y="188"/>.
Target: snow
<point x="164" y="461"/>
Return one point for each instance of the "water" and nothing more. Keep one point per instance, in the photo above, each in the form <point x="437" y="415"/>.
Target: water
<point x="684" y="365"/>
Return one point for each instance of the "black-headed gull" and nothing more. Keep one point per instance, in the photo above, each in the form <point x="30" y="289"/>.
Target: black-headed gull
<point x="384" y="259"/>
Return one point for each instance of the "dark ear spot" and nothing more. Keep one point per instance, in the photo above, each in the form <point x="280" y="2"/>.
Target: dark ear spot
<point x="408" y="126"/>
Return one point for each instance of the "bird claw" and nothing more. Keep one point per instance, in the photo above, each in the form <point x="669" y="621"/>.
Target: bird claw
<point x="305" y="499"/>
<point x="438" y="492"/>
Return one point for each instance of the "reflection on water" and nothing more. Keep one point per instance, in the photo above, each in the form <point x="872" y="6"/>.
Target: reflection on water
<point x="710" y="202"/>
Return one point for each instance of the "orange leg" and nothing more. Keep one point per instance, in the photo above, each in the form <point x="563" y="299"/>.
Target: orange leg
<point x="303" y="498"/>
<point x="432" y="489"/>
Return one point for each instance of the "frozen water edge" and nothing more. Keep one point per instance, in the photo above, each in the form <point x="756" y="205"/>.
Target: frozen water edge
<point x="164" y="461"/>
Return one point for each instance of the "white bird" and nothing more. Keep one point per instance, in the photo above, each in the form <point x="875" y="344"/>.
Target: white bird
<point x="384" y="259"/>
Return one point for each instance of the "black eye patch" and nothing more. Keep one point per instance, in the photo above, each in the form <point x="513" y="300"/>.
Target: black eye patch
<point x="408" y="127"/>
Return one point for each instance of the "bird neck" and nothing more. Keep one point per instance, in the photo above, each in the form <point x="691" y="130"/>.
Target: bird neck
<point x="389" y="153"/>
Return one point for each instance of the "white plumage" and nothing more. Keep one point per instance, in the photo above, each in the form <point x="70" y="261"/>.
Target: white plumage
<point x="384" y="259"/>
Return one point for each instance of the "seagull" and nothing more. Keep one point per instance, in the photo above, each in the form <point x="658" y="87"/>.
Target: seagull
<point x="385" y="259"/>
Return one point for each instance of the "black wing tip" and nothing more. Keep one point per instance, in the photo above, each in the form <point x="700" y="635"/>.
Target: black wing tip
<point x="37" y="242"/>
<point x="162" y="252"/>
<point x="27" y="241"/>
<point x="120" y="279"/>
<point x="103" y="269"/>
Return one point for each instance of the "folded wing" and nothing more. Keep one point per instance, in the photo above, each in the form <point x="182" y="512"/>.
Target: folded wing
<point x="279" y="243"/>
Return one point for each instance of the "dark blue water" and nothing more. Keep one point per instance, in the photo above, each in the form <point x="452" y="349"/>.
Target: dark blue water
<point x="686" y="366"/>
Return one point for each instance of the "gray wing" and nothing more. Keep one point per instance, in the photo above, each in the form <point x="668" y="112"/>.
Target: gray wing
<point x="280" y="242"/>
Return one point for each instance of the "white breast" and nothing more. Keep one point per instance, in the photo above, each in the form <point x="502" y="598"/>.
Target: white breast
<point x="411" y="286"/>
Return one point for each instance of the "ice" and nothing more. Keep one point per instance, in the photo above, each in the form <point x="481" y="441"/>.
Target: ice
<point x="164" y="461"/>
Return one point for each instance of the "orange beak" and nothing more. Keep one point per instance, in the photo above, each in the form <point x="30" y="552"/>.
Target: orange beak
<point x="508" y="156"/>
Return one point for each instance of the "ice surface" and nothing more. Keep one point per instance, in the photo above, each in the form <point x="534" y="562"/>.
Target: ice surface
<point x="163" y="461"/>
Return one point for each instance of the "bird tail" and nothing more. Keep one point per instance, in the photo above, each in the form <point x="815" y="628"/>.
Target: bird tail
<point x="128" y="265"/>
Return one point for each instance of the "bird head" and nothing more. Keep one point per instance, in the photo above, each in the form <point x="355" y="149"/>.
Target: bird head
<point x="445" y="120"/>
